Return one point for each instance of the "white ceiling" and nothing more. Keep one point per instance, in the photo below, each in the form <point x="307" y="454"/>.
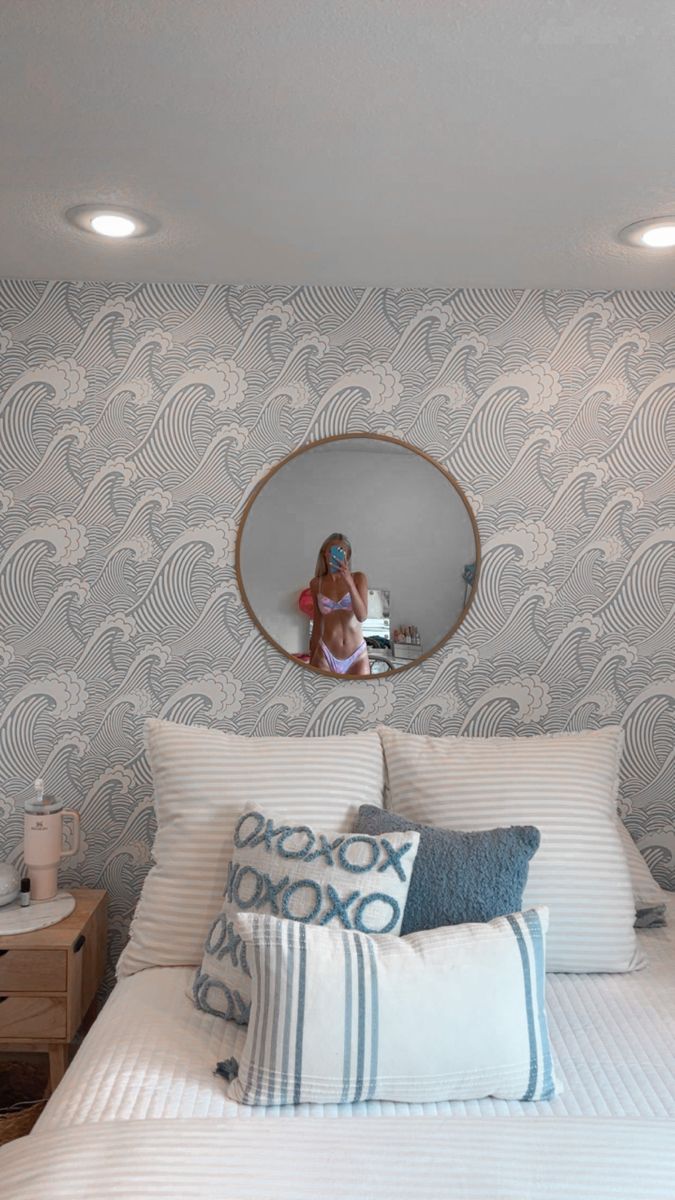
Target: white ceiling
<point x="434" y="142"/>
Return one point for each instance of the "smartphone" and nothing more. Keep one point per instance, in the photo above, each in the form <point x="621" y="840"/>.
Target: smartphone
<point x="337" y="556"/>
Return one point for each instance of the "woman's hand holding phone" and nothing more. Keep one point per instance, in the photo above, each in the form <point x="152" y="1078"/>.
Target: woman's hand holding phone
<point x="346" y="574"/>
<point x="340" y="564"/>
<point x="337" y="558"/>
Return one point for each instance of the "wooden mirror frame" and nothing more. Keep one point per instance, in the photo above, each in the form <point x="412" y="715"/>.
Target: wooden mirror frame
<point x="344" y="437"/>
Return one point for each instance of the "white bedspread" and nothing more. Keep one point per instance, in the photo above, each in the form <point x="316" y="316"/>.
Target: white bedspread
<point x="152" y="1054"/>
<point x="428" y="1158"/>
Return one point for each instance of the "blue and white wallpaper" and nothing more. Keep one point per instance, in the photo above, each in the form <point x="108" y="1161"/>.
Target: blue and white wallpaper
<point x="136" y="418"/>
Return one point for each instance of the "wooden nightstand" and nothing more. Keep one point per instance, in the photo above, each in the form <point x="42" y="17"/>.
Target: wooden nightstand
<point x="49" y="980"/>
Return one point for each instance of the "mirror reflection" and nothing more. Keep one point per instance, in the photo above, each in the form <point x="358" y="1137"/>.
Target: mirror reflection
<point x="357" y="556"/>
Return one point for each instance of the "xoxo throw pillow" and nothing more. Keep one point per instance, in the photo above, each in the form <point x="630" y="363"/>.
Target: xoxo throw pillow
<point x="348" y="881"/>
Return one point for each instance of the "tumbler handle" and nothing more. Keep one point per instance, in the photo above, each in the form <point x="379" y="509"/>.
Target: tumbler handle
<point x="70" y="812"/>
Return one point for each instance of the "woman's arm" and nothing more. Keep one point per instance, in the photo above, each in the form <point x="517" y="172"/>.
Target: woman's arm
<point x="358" y="590"/>
<point x="315" y="636"/>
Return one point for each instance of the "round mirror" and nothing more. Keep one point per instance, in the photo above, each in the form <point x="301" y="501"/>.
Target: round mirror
<point x="358" y="555"/>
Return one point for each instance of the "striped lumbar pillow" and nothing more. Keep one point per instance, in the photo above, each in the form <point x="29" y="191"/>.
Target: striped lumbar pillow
<point x="566" y="786"/>
<point x="451" y="1013"/>
<point x="352" y="881"/>
<point x="203" y="779"/>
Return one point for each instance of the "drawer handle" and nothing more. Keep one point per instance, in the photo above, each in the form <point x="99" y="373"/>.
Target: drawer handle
<point x="79" y="943"/>
<point x="3" y="952"/>
<point x="3" y="998"/>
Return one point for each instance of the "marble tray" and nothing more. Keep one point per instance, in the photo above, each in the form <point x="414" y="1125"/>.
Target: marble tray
<point x="38" y="915"/>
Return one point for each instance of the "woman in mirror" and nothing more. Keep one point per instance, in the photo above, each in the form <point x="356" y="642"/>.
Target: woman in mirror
<point x="340" y="606"/>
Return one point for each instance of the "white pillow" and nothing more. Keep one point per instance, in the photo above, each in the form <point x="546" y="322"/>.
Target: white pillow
<point x="650" y="900"/>
<point x="203" y="779"/>
<point x="353" y="880"/>
<point x="565" y="785"/>
<point x="454" y="1013"/>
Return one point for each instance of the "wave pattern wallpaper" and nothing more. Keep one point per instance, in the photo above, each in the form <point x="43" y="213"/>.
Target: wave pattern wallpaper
<point x="136" y="419"/>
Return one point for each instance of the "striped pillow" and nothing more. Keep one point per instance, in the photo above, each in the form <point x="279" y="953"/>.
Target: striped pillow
<point x="203" y="779"/>
<point x="455" y="1013"/>
<point x="649" y="899"/>
<point x="565" y="785"/>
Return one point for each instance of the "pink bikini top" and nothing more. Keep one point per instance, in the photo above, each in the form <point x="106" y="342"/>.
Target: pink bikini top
<point x="326" y="605"/>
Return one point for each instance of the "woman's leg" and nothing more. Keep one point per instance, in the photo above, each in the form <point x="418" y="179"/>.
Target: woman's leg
<point x="319" y="659"/>
<point x="361" y="666"/>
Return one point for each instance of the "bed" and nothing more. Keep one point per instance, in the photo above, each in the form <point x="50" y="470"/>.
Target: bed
<point x="151" y="1054"/>
<point x="140" y="1112"/>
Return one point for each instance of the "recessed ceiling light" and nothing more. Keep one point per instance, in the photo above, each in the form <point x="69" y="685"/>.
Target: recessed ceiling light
<point x="113" y="225"/>
<point x="656" y="233"/>
<point x="659" y="236"/>
<point x="109" y="221"/>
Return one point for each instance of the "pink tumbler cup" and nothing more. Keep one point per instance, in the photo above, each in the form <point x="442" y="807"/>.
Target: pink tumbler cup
<point x="43" y="844"/>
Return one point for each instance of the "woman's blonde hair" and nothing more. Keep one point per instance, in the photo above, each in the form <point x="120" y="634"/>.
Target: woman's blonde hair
<point x="321" y="568"/>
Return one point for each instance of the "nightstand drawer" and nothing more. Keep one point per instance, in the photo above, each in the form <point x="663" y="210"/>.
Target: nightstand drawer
<point x="32" y="971"/>
<point x="32" y="1017"/>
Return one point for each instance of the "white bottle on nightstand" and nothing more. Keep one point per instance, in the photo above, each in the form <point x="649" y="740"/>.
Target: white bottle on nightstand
<point x="43" y="841"/>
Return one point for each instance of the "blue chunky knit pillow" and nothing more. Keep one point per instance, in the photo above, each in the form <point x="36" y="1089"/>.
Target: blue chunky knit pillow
<point x="459" y="877"/>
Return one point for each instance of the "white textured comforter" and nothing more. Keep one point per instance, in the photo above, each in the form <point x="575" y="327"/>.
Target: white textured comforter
<point x="472" y="1159"/>
<point x="152" y="1054"/>
<point x="140" y="1114"/>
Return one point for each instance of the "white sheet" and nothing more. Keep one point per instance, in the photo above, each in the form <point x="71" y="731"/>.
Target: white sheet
<point x="152" y="1054"/>
<point x="389" y="1159"/>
